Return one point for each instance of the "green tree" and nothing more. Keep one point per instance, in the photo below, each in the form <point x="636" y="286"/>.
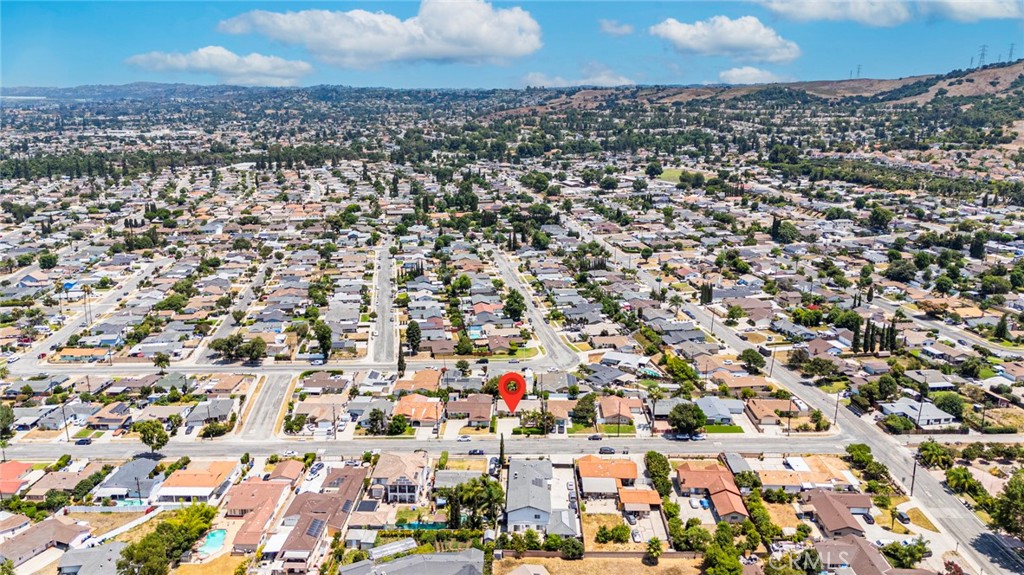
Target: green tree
<point x="463" y="366"/>
<point x="1008" y="507"/>
<point x="376" y="424"/>
<point x="687" y="418"/>
<point x="152" y="433"/>
<point x="879" y="218"/>
<point x="646" y="253"/>
<point x="324" y="338"/>
<point x="654" y="550"/>
<point x="572" y="549"/>
<point x="47" y="261"/>
<point x="162" y="361"/>
<point x="1002" y="329"/>
<point x="752" y="360"/>
<point x="147" y="557"/>
<point x="412" y="336"/>
<point x="6" y="420"/>
<point x="398" y="425"/>
<point x="515" y="305"/>
<point x="464" y="345"/>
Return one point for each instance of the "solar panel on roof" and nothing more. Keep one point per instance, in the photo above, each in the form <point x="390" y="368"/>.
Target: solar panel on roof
<point x="315" y="527"/>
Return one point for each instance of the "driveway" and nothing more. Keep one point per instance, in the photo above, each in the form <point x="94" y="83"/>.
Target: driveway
<point x="505" y="426"/>
<point x="452" y="427"/>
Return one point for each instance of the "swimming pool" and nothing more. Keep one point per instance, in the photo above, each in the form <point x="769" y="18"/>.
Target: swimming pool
<point x="213" y="542"/>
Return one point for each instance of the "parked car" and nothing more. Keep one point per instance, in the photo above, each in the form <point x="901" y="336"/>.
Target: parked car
<point x="513" y="361"/>
<point x="190" y="429"/>
<point x="316" y="362"/>
<point x="464" y="438"/>
<point x="290" y="453"/>
<point x="595" y="437"/>
<point x="902" y="518"/>
<point x="606" y="451"/>
<point x="636" y="536"/>
<point x="694" y="503"/>
<point x="476" y="451"/>
<point x="483" y="360"/>
<point x="630" y="518"/>
<point x="84" y="441"/>
<point x="869" y="519"/>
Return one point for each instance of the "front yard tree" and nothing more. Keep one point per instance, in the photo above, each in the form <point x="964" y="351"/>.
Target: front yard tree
<point x="753" y="360"/>
<point x="162" y="361"/>
<point x="686" y="418"/>
<point x="324" y="338"/>
<point x="152" y="434"/>
<point x="515" y="305"/>
<point x="412" y="337"/>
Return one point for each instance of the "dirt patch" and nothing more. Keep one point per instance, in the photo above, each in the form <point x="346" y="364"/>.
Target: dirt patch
<point x="1007" y="416"/>
<point x="470" y="430"/>
<point x="135" y="535"/>
<point x="783" y="515"/>
<point x="42" y="434"/>
<point x="603" y="565"/>
<point x="222" y="565"/>
<point x="104" y="522"/>
<point x="593" y="522"/>
<point x="468" y="465"/>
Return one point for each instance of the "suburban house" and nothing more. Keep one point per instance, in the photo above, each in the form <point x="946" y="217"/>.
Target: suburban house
<point x="717" y="483"/>
<point x="619" y="410"/>
<point x="112" y="416"/>
<point x="400" y="478"/>
<point x="601" y="477"/>
<point x="528" y="501"/>
<point x="203" y="482"/>
<point x="923" y="414"/>
<point x="53" y="532"/>
<point x="834" y="512"/>
<point x="476" y="409"/>
<point x="100" y="560"/>
<point x="420" y="410"/>
<point x="256" y="502"/>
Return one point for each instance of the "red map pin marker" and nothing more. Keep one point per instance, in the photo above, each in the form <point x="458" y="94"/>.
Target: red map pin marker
<point x="512" y="387"/>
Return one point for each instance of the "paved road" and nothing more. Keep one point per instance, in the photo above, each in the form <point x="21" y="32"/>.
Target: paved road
<point x="231" y="446"/>
<point x="383" y="344"/>
<point x="977" y="542"/>
<point x="558" y="352"/>
<point x="947" y="331"/>
<point x="259" y="425"/>
<point x="227" y="325"/>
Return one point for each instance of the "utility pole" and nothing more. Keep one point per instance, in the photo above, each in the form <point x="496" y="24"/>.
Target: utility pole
<point x="1011" y="52"/>
<point x="67" y="435"/>
<point x="913" y="474"/>
<point x="858" y="70"/>
<point x="981" y="55"/>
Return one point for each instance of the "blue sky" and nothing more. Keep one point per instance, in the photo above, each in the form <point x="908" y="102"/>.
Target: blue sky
<point x="473" y="43"/>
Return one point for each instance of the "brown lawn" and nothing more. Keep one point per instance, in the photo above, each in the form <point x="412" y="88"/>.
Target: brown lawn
<point x="468" y="465"/>
<point x="135" y="535"/>
<point x="557" y="566"/>
<point x="918" y="518"/>
<point x="782" y="514"/>
<point x="1012" y="416"/>
<point x="470" y="430"/>
<point x="220" y="566"/>
<point x="104" y="522"/>
<point x="593" y="521"/>
<point x="42" y="434"/>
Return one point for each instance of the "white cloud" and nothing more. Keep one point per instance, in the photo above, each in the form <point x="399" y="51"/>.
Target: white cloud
<point x="894" y="12"/>
<point x="615" y="28"/>
<point x="744" y="38"/>
<point x="229" y="68"/>
<point x="592" y="75"/>
<point x="870" y="12"/>
<point x="749" y="75"/>
<point x="974" y="10"/>
<point x="467" y="31"/>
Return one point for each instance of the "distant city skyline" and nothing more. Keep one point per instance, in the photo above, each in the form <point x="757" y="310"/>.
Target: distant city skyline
<point x="478" y="44"/>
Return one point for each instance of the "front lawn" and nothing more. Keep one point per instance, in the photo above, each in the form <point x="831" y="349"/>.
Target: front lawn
<point x="723" y="429"/>
<point x="580" y="428"/>
<point x="612" y="429"/>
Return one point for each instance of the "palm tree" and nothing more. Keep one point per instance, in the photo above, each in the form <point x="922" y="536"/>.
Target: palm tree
<point x="675" y="302"/>
<point x="893" y="514"/>
<point x="934" y="455"/>
<point x="958" y="478"/>
<point x="653" y="550"/>
<point x="656" y="394"/>
<point x="4" y="444"/>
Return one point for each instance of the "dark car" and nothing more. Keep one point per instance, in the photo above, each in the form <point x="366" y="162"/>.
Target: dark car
<point x="476" y="451"/>
<point x="869" y="519"/>
<point x="84" y="441"/>
<point x="902" y="518"/>
<point x="606" y="451"/>
<point x="483" y="360"/>
<point x="594" y="437"/>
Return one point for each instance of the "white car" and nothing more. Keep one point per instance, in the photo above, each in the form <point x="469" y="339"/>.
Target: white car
<point x="290" y="453"/>
<point x="464" y="438"/>
<point x="13" y="358"/>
